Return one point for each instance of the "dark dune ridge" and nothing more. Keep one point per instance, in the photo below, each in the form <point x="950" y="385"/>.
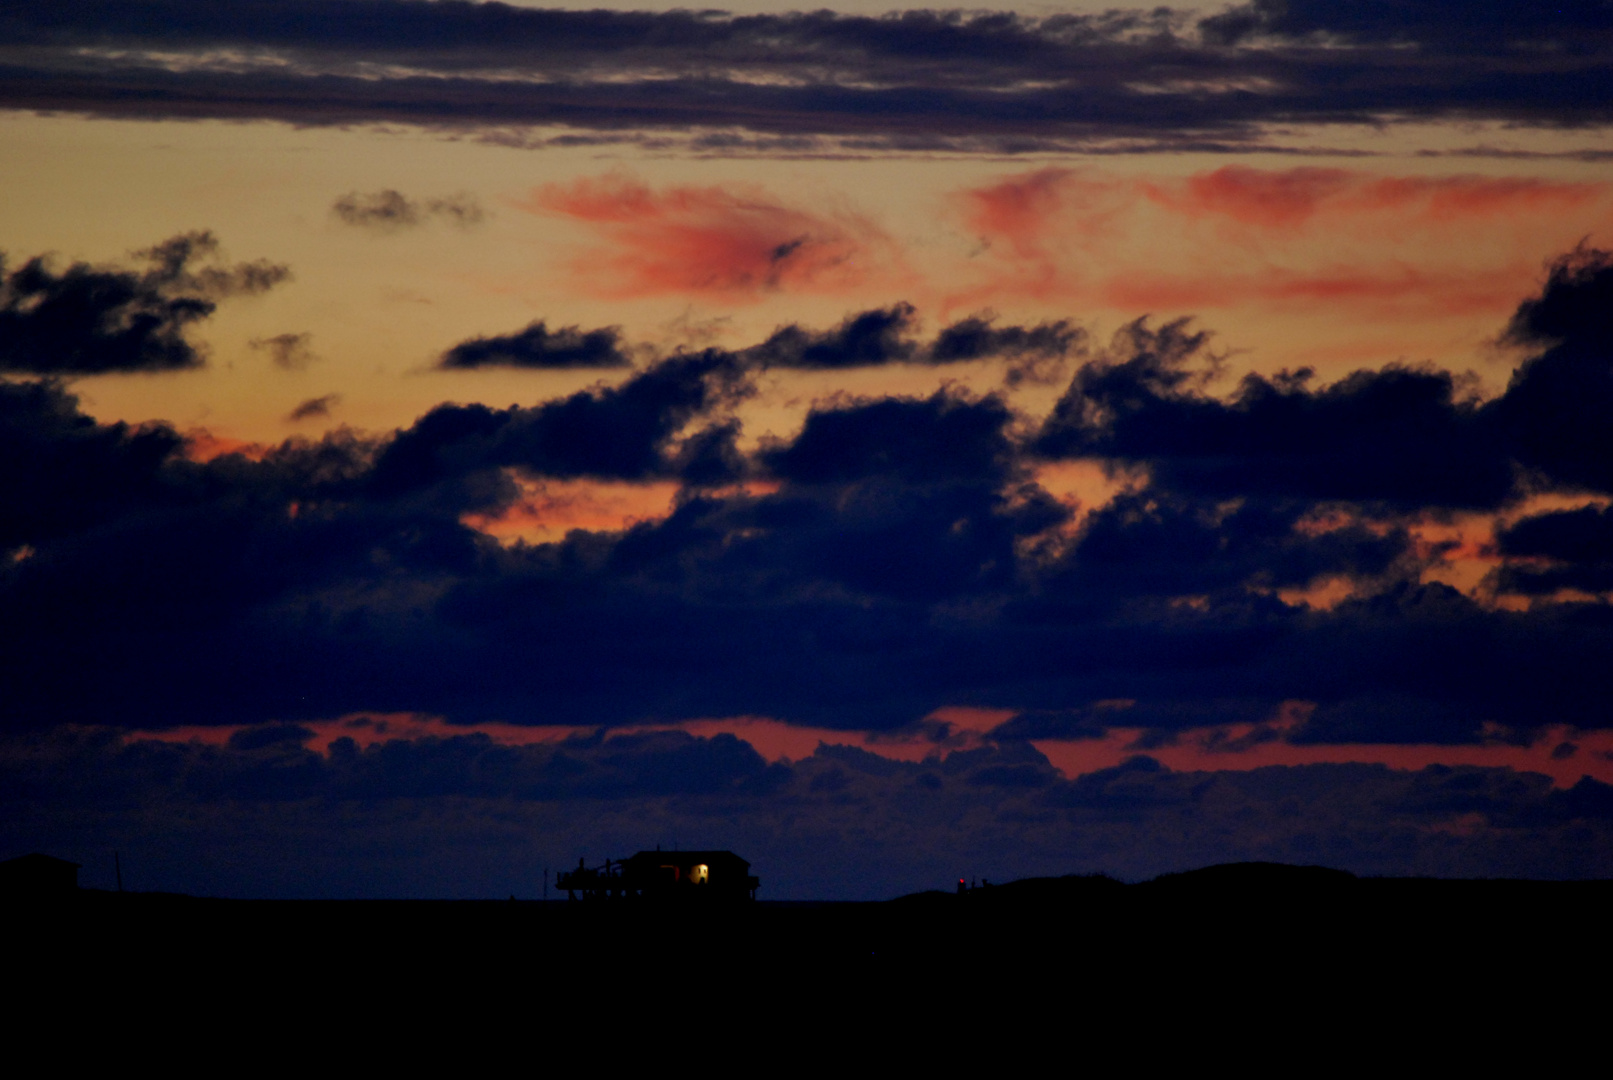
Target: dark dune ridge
<point x="1247" y="921"/>
<point x="1224" y="957"/>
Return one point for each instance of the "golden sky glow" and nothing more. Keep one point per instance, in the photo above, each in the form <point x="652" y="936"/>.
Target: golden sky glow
<point x="1335" y="264"/>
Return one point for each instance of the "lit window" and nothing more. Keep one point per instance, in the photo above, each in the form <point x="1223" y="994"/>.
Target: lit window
<point x="700" y="874"/>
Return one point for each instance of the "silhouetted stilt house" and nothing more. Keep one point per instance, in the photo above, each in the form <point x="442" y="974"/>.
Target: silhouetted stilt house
<point x="38" y="876"/>
<point x="669" y="875"/>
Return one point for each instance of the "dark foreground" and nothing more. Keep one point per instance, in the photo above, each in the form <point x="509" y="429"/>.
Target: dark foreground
<point x="1248" y="936"/>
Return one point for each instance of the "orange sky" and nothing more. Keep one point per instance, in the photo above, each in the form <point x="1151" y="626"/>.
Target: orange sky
<point x="1334" y="263"/>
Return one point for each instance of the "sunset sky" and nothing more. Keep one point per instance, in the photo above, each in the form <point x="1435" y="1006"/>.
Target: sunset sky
<point x="444" y="440"/>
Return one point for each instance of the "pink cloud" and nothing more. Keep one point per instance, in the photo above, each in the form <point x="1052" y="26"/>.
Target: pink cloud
<point x="1017" y="210"/>
<point x="735" y="243"/>
<point x="1400" y="247"/>
<point x="1286" y="198"/>
<point x="1255" y="196"/>
<point x="1392" y="286"/>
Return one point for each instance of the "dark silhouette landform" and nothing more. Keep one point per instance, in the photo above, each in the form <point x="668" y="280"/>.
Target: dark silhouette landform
<point x="1239" y="905"/>
<point x="1246" y="942"/>
<point x="1230" y="955"/>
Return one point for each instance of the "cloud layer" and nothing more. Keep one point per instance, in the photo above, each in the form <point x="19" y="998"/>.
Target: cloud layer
<point x="89" y="320"/>
<point x="1268" y="566"/>
<point x="895" y="556"/>
<point x="465" y="817"/>
<point x="917" y="79"/>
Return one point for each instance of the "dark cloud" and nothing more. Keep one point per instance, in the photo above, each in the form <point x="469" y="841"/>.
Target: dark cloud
<point x="89" y="320"/>
<point x="711" y="456"/>
<point x="914" y="499"/>
<point x="622" y="432"/>
<point x="978" y="336"/>
<point x="1140" y="783"/>
<point x="1584" y="535"/>
<point x="622" y="766"/>
<point x="894" y="556"/>
<point x="388" y="210"/>
<point x="1555" y="410"/>
<point x="887" y="576"/>
<point x="463" y="210"/>
<point x="291" y="736"/>
<point x="464" y="816"/>
<point x="916" y="80"/>
<point x="1150" y="544"/>
<point x="289" y="352"/>
<point x="271" y="762"/>
<point x="1508" y="26"/>
<point x="1008" y="764"/>
<point x="885" y="336"/>
<point x="1402" y="436"/>
<point x="61" y="472"/>
<point x="944" y="438"/>
<point x="1570" y="549"/>
<point x="190" y="262"/>
<point x="539" y="347"/>
<point x="1587" y="800"/>
<point x="1052" y="724"/>
<point x="1399" y="438"/>
<point x="866" y="340"/>
<point x="314" y="408"/>
<point x="1094" y="720"/>
<point x="1573" y="305"/>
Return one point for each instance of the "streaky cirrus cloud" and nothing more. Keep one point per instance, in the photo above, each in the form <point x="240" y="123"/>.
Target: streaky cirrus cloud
<point x="819" y="81"/>
<point x="1401" y="246"/>
<point x="732" y="243"/>
<point x="92" y="320"/>
<point x="1289" y="198"/>
<point x="1392" y="291"/>
<point x="1452" y="249"/>
<point x="1018" y="209"/>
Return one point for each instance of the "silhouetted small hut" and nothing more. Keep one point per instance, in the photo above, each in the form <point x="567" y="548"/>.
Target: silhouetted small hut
<point x="38" y="876"/>
<point x="669" y="875"/>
